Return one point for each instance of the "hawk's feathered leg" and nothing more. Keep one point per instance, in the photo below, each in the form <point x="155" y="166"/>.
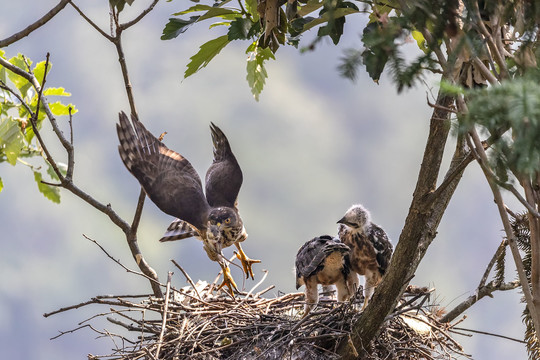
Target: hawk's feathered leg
<point x="373" y="278"/>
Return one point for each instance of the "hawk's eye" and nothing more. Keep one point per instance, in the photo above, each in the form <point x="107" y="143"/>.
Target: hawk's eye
<point x="227" y="220"/>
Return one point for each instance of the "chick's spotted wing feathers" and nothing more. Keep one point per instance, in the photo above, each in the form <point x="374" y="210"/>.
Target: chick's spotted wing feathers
<point x="310" y="257"/>
<point x="167" y="177"/>
<point x="224" y="176"/>
<point x="383" y="247"/>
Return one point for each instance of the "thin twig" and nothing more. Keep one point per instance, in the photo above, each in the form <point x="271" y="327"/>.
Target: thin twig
<point x="188" y="278"/>
<point x="165" y="309"/>
<point x="89" y="21"/>
<point x="128" y="24"/>
<point x="122" y="265"/>
<point x="35" y="25"/>
<point x="488" y="333"/>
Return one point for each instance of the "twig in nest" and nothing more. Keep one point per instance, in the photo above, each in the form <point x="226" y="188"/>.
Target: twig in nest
<point x="188" y="278"/>
<point x="165" y="309"/>
<point x="218" y="327"/>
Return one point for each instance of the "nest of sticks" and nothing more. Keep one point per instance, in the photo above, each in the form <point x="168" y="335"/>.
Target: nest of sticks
<point x="196" y="323"/>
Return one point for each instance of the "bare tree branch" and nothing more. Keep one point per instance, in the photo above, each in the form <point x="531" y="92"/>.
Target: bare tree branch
<point x="36" y="25"/>
<point x="68" y="183"/>
<point x="88" y="20"/>
<point x="482" y="290"/>
<point x="482" y="160"/>
<point x="124" y="26"/>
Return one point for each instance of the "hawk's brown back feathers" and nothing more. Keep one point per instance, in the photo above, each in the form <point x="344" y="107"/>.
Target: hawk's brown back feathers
<point x="168" y="178"/>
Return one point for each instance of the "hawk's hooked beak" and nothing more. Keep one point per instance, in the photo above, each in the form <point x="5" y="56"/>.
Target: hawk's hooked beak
<point x="343" y="221"/>
<point x="215" y="229"/>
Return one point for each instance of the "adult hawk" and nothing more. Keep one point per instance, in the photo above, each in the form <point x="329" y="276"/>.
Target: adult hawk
<point x="174" y="186"/>
<point x="324" y="260"/>
<point x="371" y="249"/>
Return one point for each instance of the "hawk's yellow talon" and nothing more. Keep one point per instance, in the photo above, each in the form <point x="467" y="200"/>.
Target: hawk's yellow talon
<point x="228" y="280"/>
<point x="246" y="262"/>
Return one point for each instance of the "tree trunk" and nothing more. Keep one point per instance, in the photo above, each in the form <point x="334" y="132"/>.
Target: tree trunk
<point x="418" y="232"/>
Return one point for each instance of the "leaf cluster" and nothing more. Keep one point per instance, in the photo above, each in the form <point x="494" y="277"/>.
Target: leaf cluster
<point x="512" y="106"/>
<point x="18" y="116"/>
<point x="266" y="24"/>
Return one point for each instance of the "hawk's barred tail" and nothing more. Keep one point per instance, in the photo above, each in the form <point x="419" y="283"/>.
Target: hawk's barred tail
<point x="178" y="230"/>
<point x="128" y="144"/>
<point x="136" y="142"/>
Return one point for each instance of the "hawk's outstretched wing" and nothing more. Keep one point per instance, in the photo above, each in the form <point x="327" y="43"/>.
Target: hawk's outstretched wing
<point x="224" y="176"/>
<point x="167" y="177"/>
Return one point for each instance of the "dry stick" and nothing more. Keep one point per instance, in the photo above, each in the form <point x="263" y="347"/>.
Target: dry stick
<point x="122" y="265"/>
<point x="165" y="308"/>
<point x="254" y="287"/>
<point x="488" y="333"/>
<point x="258" y="295"/>
<point x="492" y="262"/>
<point x="479" y="294"/>
<point x="70" y="331"/>
<point x="522" y="200"/>
<point x="482" y="160"/>
<point x="188" y="278"/>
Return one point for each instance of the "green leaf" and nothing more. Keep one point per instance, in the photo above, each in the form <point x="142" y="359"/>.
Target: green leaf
<point x="59" y="109"/>
<point x="56" y="92"/>
<point x="39" y="71"/>
<point x="382" y="7"/>
<point x="251" y="8"/>
<point x="51" y="192"/>
<point x="176" y="27"/>
<point x="256" y="72"/>
<point x="3" y="74"/>
<point x="419" y="37"/>
<point x="239" y="29"/>
<point x="1" y="185"/>
<point x="211" y="11"/>
<point x="21" y="83"/>
<point x="336" y="14"/>
<point x="11" y="140"/>
<point x="61" y="166"/>
<point x="309" y="7"/>
<point x="374" y="63"/>
<point x="206" y="53"/>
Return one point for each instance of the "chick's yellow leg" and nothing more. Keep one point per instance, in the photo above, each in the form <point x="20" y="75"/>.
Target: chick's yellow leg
<point x="228" y="280"/>
<point x="246" y="262"/>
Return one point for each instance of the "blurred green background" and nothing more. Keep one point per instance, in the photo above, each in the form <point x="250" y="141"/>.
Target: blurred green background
<point x="313" y="145"/>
